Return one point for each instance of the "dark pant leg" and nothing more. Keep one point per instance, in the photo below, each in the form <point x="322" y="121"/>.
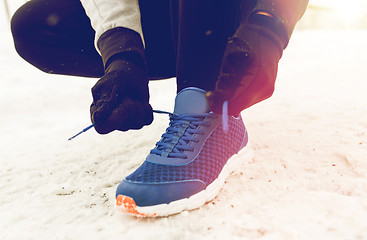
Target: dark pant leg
<point x="56" y="36"/>
<point x="203" y="29"/>
<point x="160" y="53"/>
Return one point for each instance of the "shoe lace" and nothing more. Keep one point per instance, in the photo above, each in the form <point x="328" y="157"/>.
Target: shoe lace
<point x="182" y="118"/>
<point x="182" y="130"/>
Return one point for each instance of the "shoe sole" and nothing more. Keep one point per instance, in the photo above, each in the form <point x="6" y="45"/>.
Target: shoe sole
<point x="128" y="205"/>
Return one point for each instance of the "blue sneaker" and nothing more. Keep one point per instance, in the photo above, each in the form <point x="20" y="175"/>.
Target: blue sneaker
<point x="190" y="163"/>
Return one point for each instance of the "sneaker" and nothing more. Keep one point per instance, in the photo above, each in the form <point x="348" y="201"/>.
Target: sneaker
<point x="190" y="163"/>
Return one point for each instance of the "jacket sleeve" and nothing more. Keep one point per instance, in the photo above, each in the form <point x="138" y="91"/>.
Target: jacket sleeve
<point x="288" y="12"/>
<point x="109" y="14"/>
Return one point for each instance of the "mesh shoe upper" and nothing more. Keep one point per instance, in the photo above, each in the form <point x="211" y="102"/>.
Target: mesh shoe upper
<point x="206" y="167"/>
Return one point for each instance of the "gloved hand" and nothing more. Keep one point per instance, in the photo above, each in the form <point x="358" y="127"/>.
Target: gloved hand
<point x="121" y="96"/>
<point x="248" y="69"/>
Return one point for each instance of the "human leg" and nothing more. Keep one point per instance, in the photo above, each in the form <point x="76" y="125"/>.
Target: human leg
<point x="56" y="37"/>
<point x="160" y="53"/>
<point x="203" y="28"/>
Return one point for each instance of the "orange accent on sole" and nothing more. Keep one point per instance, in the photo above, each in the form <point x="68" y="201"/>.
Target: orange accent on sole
<point x="128" y="204"/>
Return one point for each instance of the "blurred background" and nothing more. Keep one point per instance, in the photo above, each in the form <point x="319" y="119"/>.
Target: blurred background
<point x="321" y="14"/>
<point x="335" y="14"/>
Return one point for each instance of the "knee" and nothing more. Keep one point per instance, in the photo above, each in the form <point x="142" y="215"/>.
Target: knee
<point x="21" y="22"/>
<point x="22" y="28"/>
<point x="27" y="29"/>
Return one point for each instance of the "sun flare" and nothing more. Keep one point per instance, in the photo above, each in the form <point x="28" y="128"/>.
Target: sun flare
<point x="332" y="13"/>
<point x="349" y="10"/>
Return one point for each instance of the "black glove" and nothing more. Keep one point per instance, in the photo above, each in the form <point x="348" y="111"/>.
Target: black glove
<point x="121" y="96"/>
<point x="249" y="65"/>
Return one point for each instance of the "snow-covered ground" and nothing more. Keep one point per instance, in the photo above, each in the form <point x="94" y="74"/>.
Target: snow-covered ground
<point x="308" y="178"/>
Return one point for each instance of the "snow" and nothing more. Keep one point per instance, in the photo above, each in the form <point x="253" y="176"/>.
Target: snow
<point x="308" y="178"/>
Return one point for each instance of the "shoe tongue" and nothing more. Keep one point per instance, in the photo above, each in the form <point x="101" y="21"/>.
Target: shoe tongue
<point x="191" y="101"/>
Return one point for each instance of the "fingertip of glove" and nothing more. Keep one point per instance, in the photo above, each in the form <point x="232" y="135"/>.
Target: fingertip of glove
<point x="148" y="114"/>
<point x="101" y="130"/>
<point x="95" y="117"/>
<point x="211" y="97"/>
<point x="214" y="100"/>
